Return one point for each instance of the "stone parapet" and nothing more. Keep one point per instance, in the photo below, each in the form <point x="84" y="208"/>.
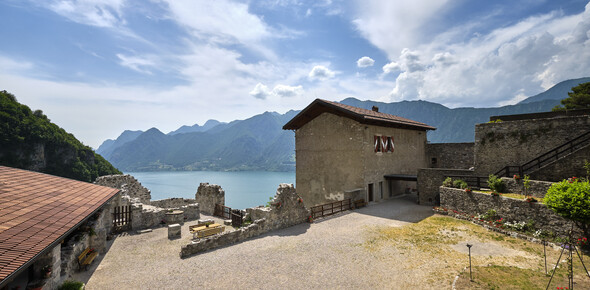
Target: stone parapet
<point x="537" y="188"/>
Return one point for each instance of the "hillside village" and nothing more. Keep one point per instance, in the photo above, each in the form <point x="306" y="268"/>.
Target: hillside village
<point x="355" y="168"/>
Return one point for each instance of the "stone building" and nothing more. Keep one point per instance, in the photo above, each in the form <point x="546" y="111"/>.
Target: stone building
<point x="348" y="152"/>
<point x="45" y="223"/>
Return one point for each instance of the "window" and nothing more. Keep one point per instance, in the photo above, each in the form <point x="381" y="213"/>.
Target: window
<point x="378" y="144"/>
<point x="383" y="143"/>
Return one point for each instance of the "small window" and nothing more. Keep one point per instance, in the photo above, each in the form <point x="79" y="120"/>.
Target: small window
<point x="378" y="144"/>
<point x="433" y="160"/>
<point x="389" y="144"/>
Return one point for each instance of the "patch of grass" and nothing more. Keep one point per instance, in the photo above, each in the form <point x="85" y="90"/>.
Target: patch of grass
<point x="507" y="277"/>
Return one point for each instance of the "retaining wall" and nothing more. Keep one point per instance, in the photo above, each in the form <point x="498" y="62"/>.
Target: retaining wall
<point x="537" y="188"/>
<point x="509" y="209"/>
<point x="430" y="180"/>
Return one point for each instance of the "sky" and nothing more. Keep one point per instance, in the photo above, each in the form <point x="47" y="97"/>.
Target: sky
<point x="99" y="67"/>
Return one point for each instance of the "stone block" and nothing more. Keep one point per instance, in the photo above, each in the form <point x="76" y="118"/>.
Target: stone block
<point x="227" y="222"/>
<point x="174" y="231"/>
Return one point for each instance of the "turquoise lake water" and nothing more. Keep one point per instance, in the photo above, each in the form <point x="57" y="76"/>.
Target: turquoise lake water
<point x="243" y="189"/>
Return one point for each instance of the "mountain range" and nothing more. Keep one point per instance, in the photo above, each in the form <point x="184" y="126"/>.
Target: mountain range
<point x="259" y="143"/>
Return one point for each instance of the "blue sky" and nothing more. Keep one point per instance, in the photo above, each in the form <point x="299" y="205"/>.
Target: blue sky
<point x="98" y="67"/>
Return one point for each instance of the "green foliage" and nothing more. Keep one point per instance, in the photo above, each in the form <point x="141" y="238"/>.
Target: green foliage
<point x="460" y="184"/>
<point x="28" y="137"/>
<point x="579" y="98"/>
<point x="495" y="121"/>
<point x="496" y="184"/>
<point x="448" y="182"/>
<point x="71" y="285"/>
<point x="571" y="200"/>
<point x="490" y="215"/>
<point x="526" y="183"/>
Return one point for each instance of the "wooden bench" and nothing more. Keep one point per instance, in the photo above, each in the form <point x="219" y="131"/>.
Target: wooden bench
<point x="360" y="203"/>
<point x="205" y="231"/>
<point x="86" y="258"/>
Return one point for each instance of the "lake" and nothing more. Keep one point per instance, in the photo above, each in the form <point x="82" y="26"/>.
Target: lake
<point x="243" y="189"/>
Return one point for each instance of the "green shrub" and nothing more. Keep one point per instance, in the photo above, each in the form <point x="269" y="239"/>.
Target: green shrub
<point x="71" y="285"/>
<point x="496" y="184"/>
<point x="448" y="182"/>
<point x="460" y="184"/>
<point x="571" y="200"/>
<point x="490" y="215"/>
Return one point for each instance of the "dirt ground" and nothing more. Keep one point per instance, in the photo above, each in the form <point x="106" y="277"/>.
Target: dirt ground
<point x="392" y="244"/>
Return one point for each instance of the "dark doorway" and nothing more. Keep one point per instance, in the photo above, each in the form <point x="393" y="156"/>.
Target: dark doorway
<point x="371" y="192"/>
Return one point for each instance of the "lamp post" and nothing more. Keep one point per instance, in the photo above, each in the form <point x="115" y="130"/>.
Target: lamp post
<point x="470" y="276"/>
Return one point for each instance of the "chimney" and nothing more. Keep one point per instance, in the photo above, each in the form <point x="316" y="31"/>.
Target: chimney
<point x="375" y="109"/>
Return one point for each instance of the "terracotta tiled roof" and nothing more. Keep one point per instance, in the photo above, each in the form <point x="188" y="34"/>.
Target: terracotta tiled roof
<point x="363" y="116"/>
<point x="38" y="210"/>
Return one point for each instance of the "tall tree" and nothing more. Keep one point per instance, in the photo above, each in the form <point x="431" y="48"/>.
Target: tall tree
<point x="579" y="98"/>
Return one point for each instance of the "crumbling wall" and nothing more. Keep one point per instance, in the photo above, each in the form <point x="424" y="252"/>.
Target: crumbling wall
<point x="128" y="185"/>
<point x="208" y="195"/>
<point x="286" y="209"/>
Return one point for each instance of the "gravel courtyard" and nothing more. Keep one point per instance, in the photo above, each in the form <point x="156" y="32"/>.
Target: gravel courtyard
<point x="335" y="252"/>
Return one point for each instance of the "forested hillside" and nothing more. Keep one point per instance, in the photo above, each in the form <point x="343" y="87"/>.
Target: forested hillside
<point x="29" y="140"/>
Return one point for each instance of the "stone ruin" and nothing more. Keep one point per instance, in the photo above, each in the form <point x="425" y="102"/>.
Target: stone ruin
<point x="128" y="185"/>
<point x="147" y="213"/>
<point x="285" y="210"/>
<point x="208" y="195"/>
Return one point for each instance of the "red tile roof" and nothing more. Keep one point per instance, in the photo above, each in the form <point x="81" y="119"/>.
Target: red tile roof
<point x="38" y="210"/>
<point x="363" y="116"/>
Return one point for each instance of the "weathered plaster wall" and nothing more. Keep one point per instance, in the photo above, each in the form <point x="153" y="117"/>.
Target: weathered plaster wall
<point x="509" y="209"/>
<point x="286" y="210"/>
<point x="407" y="158"/>
<point x="430" y="180"/>
<point x="450" y="155"/>
<point x="208" y="195"/>
<point x="329" y="160"/>
<point x="516" y="142"/>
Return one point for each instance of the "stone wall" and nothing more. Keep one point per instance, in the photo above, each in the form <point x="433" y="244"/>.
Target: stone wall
<point x="509" y="209"/>
<point x="128" y="185"/>
<point x="430" y="180"/>
<point x="145" y="216"/>
<point x="174" y="202"/>
<point x="569" y="166"/>
<point x="286" y="210"/>
<point x="450" y="155"/>
<point x="208" y="195"/>
<point x="537" y="188"/>
<point x="516" y="142"/>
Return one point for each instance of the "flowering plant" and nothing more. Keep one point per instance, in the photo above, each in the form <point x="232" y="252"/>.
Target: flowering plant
<point x="494" y="193"/>
<point x="531" y="199"/>
<point x="582" y="242"/>
<point x="310" y="219"/>
<point x="572" y="179"/>
<point x="468" y="190"/>
<point x="499" y="221"/>
<point x="300" y="200"/>
<point x="516" y="176"/>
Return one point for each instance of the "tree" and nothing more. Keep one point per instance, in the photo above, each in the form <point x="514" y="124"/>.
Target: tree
<point x="571" y="200"/>
<point x="579" y="98"/>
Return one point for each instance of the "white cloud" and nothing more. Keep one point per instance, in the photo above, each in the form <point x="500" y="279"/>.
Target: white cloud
<point x="365" y="61"/>
<point x="137" y="63"/>
<point x="461" y="66"/>
<point x="287" y="91"/>
<point x="391" y="67"/>
<point x="320" y="72"/>
<point x="261" y="91"/>
<point x="101" y="13"/>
